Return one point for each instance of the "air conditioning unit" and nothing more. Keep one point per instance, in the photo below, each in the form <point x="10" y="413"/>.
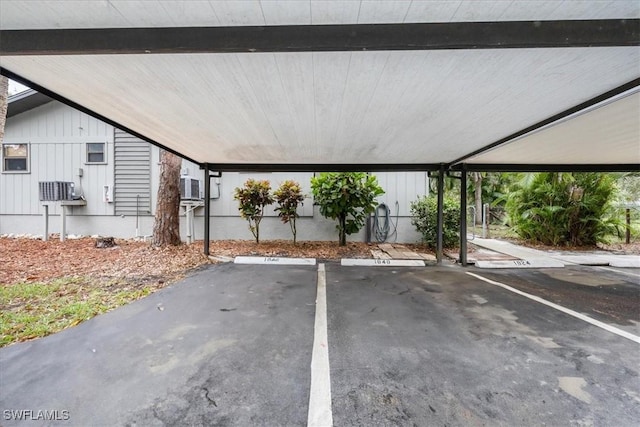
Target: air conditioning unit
<point x="56" y="190"/>
<point x="191" y="188"/>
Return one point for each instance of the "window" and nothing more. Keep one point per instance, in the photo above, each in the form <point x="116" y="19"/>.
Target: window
<point x="15" y="157"/>
<point x="95" y="152"/>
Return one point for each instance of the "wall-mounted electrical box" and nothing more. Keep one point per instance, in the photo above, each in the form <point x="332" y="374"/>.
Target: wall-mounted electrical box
<point x="107" y="194"/>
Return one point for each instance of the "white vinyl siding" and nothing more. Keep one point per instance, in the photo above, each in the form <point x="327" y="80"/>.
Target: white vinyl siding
<point x="132" y="172"/>
<point x="57" y="136"/>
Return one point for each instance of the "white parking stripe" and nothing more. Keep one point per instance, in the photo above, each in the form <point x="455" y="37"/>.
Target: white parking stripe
<point x="320" y="414"/>
<point x="575" y="314"/>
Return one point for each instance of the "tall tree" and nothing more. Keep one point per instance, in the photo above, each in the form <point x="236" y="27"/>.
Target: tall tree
<point x="166" y="228"/>
<point x="477" y="187"/>
<point x="4" y="94"/>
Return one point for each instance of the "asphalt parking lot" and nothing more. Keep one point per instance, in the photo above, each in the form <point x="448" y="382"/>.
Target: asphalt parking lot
<point x="232" y="345"/>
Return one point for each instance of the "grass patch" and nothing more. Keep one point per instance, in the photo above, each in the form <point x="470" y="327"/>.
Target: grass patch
<point x="34" y="310"/>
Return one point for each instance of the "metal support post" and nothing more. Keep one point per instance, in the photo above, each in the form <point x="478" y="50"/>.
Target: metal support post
<point x="207" y="208"/>
<point x="439" y="224"/>
<point x="463" y="216"/>
<point x="45" y="236"/>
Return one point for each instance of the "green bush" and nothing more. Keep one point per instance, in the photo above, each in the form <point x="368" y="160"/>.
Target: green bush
<point x="252" y="199"/>
<point x="564" y="208"/>
<point x="424" y="213"/>
<point x="348" y="197"/>
<point x="289" y="196"/>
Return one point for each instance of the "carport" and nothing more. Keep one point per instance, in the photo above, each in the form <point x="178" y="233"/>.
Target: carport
<point x="447" y="87"/>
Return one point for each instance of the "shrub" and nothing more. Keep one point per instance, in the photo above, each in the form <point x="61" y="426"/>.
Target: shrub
<point x="348" y="197"/>
<point x="563" y="208"/>
<point x="289" y="196"/>
<point x="424" y="213"/>
<point x="252" y="199"/>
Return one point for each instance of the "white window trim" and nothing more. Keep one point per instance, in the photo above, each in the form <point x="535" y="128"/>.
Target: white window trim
<point x="4" y="171"/>
<point x="86" y="153"/>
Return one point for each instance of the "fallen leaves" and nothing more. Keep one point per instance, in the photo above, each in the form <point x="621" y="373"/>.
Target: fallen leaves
<point x="29" y="260"/>
<point x="286" y="248"/>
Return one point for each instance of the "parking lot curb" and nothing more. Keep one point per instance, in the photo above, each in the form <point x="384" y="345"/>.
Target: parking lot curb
<point x="521" y="263"/>
<point x="262" y="260"/>
<point x="352" y="262"/>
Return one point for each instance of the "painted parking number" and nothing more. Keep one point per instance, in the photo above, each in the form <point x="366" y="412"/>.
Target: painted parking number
<point x="521" y="262"/>
<point x="271" y="259"/>
<point x="382" y="262"/>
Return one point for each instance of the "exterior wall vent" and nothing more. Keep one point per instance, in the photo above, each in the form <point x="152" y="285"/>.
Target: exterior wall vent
<point x="56" y="190"/>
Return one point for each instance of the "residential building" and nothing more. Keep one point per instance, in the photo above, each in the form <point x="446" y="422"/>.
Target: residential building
<point x="116" y="175"/>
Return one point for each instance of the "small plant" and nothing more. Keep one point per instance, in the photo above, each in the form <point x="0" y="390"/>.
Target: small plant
<point x="425" y="216"/>
<point x="348" y="197"/>
<point x="252" y="198"/>
<point x="289" y="196"/>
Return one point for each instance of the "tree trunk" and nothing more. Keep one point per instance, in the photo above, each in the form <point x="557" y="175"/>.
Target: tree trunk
<point x="166" y="228"/>
<point x="477" y="185"/>
<point x="343" y="232"/>
<point x="257" y="229"/>
<point x="4" y="93"/>
<point x="292" y="224"/>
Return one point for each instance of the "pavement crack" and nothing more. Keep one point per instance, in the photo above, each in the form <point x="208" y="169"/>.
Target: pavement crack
<point x="206" y="395"/>
<point x="404" y="292"/>
<point x="228" y="309"/>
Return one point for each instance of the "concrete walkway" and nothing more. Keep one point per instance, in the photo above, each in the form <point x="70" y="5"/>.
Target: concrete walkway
<point x="529" y="257"/>
<point x="525" y="257"/>
<point x="601" y="258"/>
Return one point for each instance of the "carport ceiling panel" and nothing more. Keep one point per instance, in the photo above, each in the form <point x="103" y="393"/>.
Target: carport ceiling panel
<point x="332" y="107"/>
<point x="20" y="14"/>
<point x="613" y="127"/>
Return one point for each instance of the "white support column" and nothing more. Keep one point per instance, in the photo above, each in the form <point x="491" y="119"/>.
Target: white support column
<point x="189" y="222"/>
<point x="45" y="235"/>
<point x="192" y="225"/>
<point x="63" y="222"/>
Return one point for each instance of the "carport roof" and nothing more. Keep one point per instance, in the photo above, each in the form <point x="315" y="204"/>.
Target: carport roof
<point x="339" y="85"/>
